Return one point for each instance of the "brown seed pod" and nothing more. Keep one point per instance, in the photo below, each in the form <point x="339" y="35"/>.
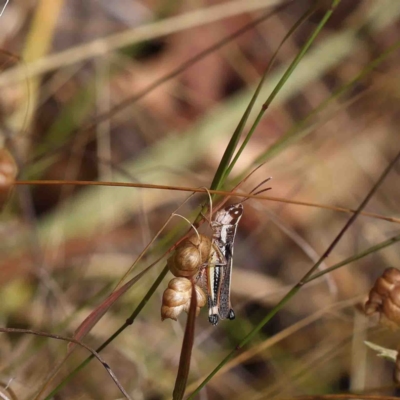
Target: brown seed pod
<point x="384" y="297"/>
<point x="176" y="298"/>
<point x="189" y="255"/>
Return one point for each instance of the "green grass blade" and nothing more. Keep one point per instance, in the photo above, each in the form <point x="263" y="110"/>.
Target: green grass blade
<point x="356" y="257"/>
<point x="225" y="167"/>
<point x="298" y="131"/>
<point x="223" y="171"/>
<point x="286" y="75"/>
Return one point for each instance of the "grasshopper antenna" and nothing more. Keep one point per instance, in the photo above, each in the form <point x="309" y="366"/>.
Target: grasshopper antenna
<point x="253" y="192"/>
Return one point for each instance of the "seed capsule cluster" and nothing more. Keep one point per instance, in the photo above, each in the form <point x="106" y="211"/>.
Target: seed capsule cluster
<point x="190" y="255"/>
<point x="384" y="297"/>
<point x="176" y="298"/>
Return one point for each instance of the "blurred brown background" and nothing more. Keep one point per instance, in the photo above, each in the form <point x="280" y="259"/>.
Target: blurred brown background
<point x="63" y="248"/>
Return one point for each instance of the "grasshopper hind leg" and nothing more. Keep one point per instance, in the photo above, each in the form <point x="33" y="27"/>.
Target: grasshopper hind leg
<point x="213" y="318"/>
<point x="212" y="312"/>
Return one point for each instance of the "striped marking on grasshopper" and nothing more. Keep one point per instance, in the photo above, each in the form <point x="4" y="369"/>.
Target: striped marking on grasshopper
<point x="216" y="277"/>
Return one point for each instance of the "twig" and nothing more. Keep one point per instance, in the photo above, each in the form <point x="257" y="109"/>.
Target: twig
<point x="71" y="340"/>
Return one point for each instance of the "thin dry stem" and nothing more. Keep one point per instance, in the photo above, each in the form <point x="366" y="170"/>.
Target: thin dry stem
<point x="70" y="340"/>
<point x="202" y="190"/>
